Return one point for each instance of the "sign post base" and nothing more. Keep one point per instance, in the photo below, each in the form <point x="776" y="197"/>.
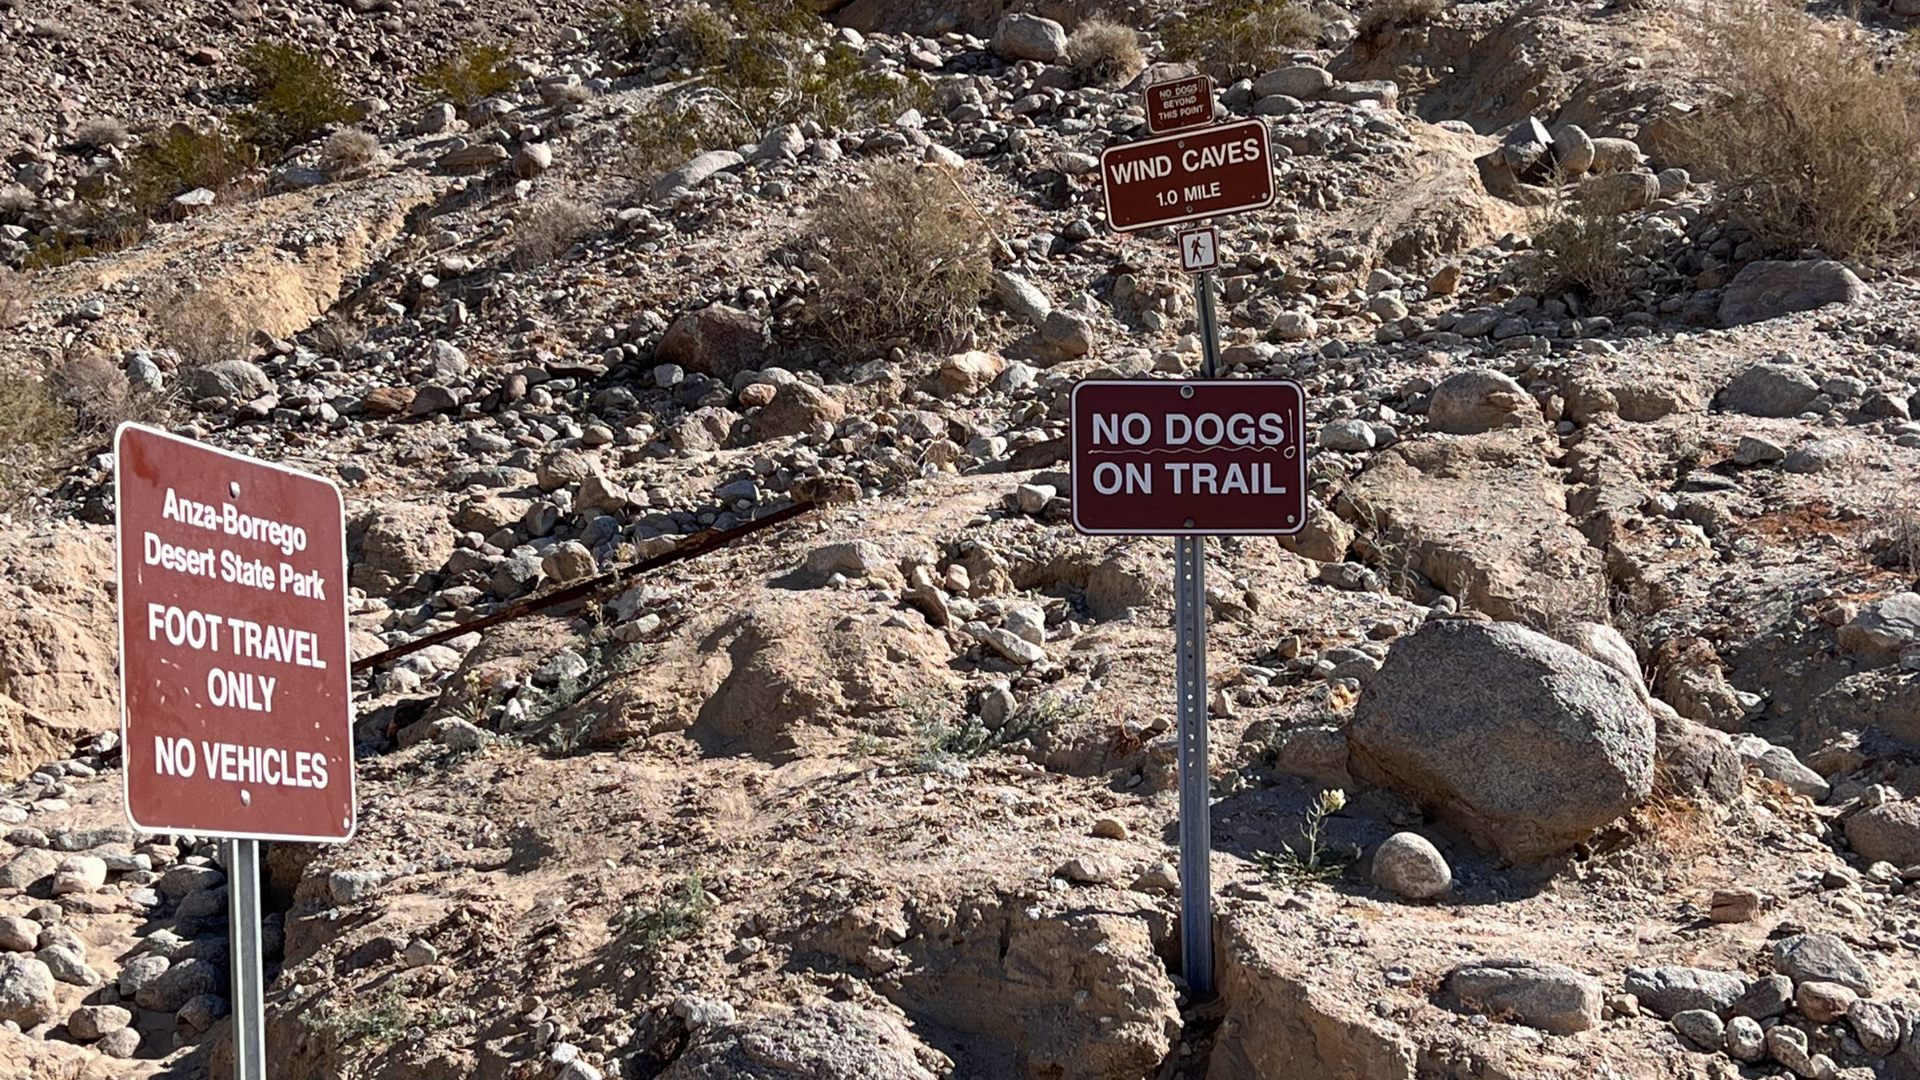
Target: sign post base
<point x="248" y="961"/>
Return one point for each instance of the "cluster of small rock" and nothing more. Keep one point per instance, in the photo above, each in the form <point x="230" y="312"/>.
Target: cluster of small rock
<point x="178" y="974"/>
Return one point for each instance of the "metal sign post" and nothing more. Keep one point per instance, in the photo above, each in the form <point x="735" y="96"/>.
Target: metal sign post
<point x="1162" y="458"/>
<point x="1190" y="687"/>
<point x="248" y="959"/>
<point x="237" y="713"/>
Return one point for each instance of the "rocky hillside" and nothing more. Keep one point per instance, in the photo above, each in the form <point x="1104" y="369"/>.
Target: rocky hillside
<point x="1578" y="734"/>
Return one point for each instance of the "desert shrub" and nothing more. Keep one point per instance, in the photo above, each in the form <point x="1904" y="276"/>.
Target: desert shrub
<point x="550" y="230"/>
<point x="680" y="914"/>
<point x="379" y="1020"/>
<point x="1587" y="247"/>
<point x="778" y="67"/>
<point x="670" y="132"/>
<point x="1813" y="136"/>
<point x="100" y="133"/>
<point x="33" y="425"/>
<point x="1101" y="52"/>
<point x="202" y="326"/>
<point x="295" y="95"/>
<point x="908" y="256"/>
<point x="1381" y="14"/>
<point x="700" y="35"/>
<point x="474" y="72"/>
<point x="95" y="391"/>
<point x="633" y="24"/>
<point x="1235" y="39"/>
<point x="181" y="158"/>
<point x="347" y="150"/>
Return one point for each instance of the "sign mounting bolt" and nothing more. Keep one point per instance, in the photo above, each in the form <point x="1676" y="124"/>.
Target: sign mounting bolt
<point x="1186" y="391"/>
<point x="233" y="488"/>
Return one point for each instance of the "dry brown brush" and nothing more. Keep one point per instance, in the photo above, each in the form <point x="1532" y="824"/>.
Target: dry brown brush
<point x="909" y="255"/>
<point x="1811" y="132"/>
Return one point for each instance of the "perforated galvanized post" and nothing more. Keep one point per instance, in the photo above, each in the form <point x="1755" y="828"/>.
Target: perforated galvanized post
<point x="247" y="960"/>
<point x="1190" y="688"/>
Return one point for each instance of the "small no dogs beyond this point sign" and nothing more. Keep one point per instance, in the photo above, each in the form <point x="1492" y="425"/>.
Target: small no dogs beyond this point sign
<point x="237" y="715"/>
<point x="1199" y="250"/>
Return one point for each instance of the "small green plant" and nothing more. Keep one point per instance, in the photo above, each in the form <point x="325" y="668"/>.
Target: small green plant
<point x="381" y="1020"/>
<point x="474" y="72"/>
<point x="680" y="914"/>
<point x="909" y="256"/>
<point x="1102" y="52"/>
<point x="938" y="739"/>
<point x="865" y="745"/>
<point x="295" y="95"/>
<point x="605" y="662"/>
<point x="1313" y="862"/>
<point x="1235" y="39"/>
<point x="62" y="248"/>
<point x="182" y="158"/>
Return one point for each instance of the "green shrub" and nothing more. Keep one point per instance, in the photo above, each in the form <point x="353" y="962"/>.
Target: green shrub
<point x="380" y="1020"/>
<point x="1812" y="134"/>
<point x="701" y="36"/>
<point x="909" y="256"/>
<point x="295" y="95"/>
<point x="474" y="72"/>
<point x="633" y="24"/>
<point x="680" y="914"/>
<point x="181" y="158"/>
<point x="937" y="739"/>
<point x="1235" y="39"/>
<point x="1102" y="52"/>
<point x="674" y="130"/>
<point x="778" y="70"/>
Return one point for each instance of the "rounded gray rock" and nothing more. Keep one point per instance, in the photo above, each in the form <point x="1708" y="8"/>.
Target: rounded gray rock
<point x="26" y="990"/>
<point x="1524" y="741"/>
<point x="1409" y="865"/>
<point x="1701" y="1028"/>
<point x="1472" y="402"/>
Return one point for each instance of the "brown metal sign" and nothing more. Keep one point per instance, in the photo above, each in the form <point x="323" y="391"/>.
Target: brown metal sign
<point x="1179" y="105"/>
<point x="237" y="718"/>
<point x="1224" y="169"/>
<point x="1165" y="458"/>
